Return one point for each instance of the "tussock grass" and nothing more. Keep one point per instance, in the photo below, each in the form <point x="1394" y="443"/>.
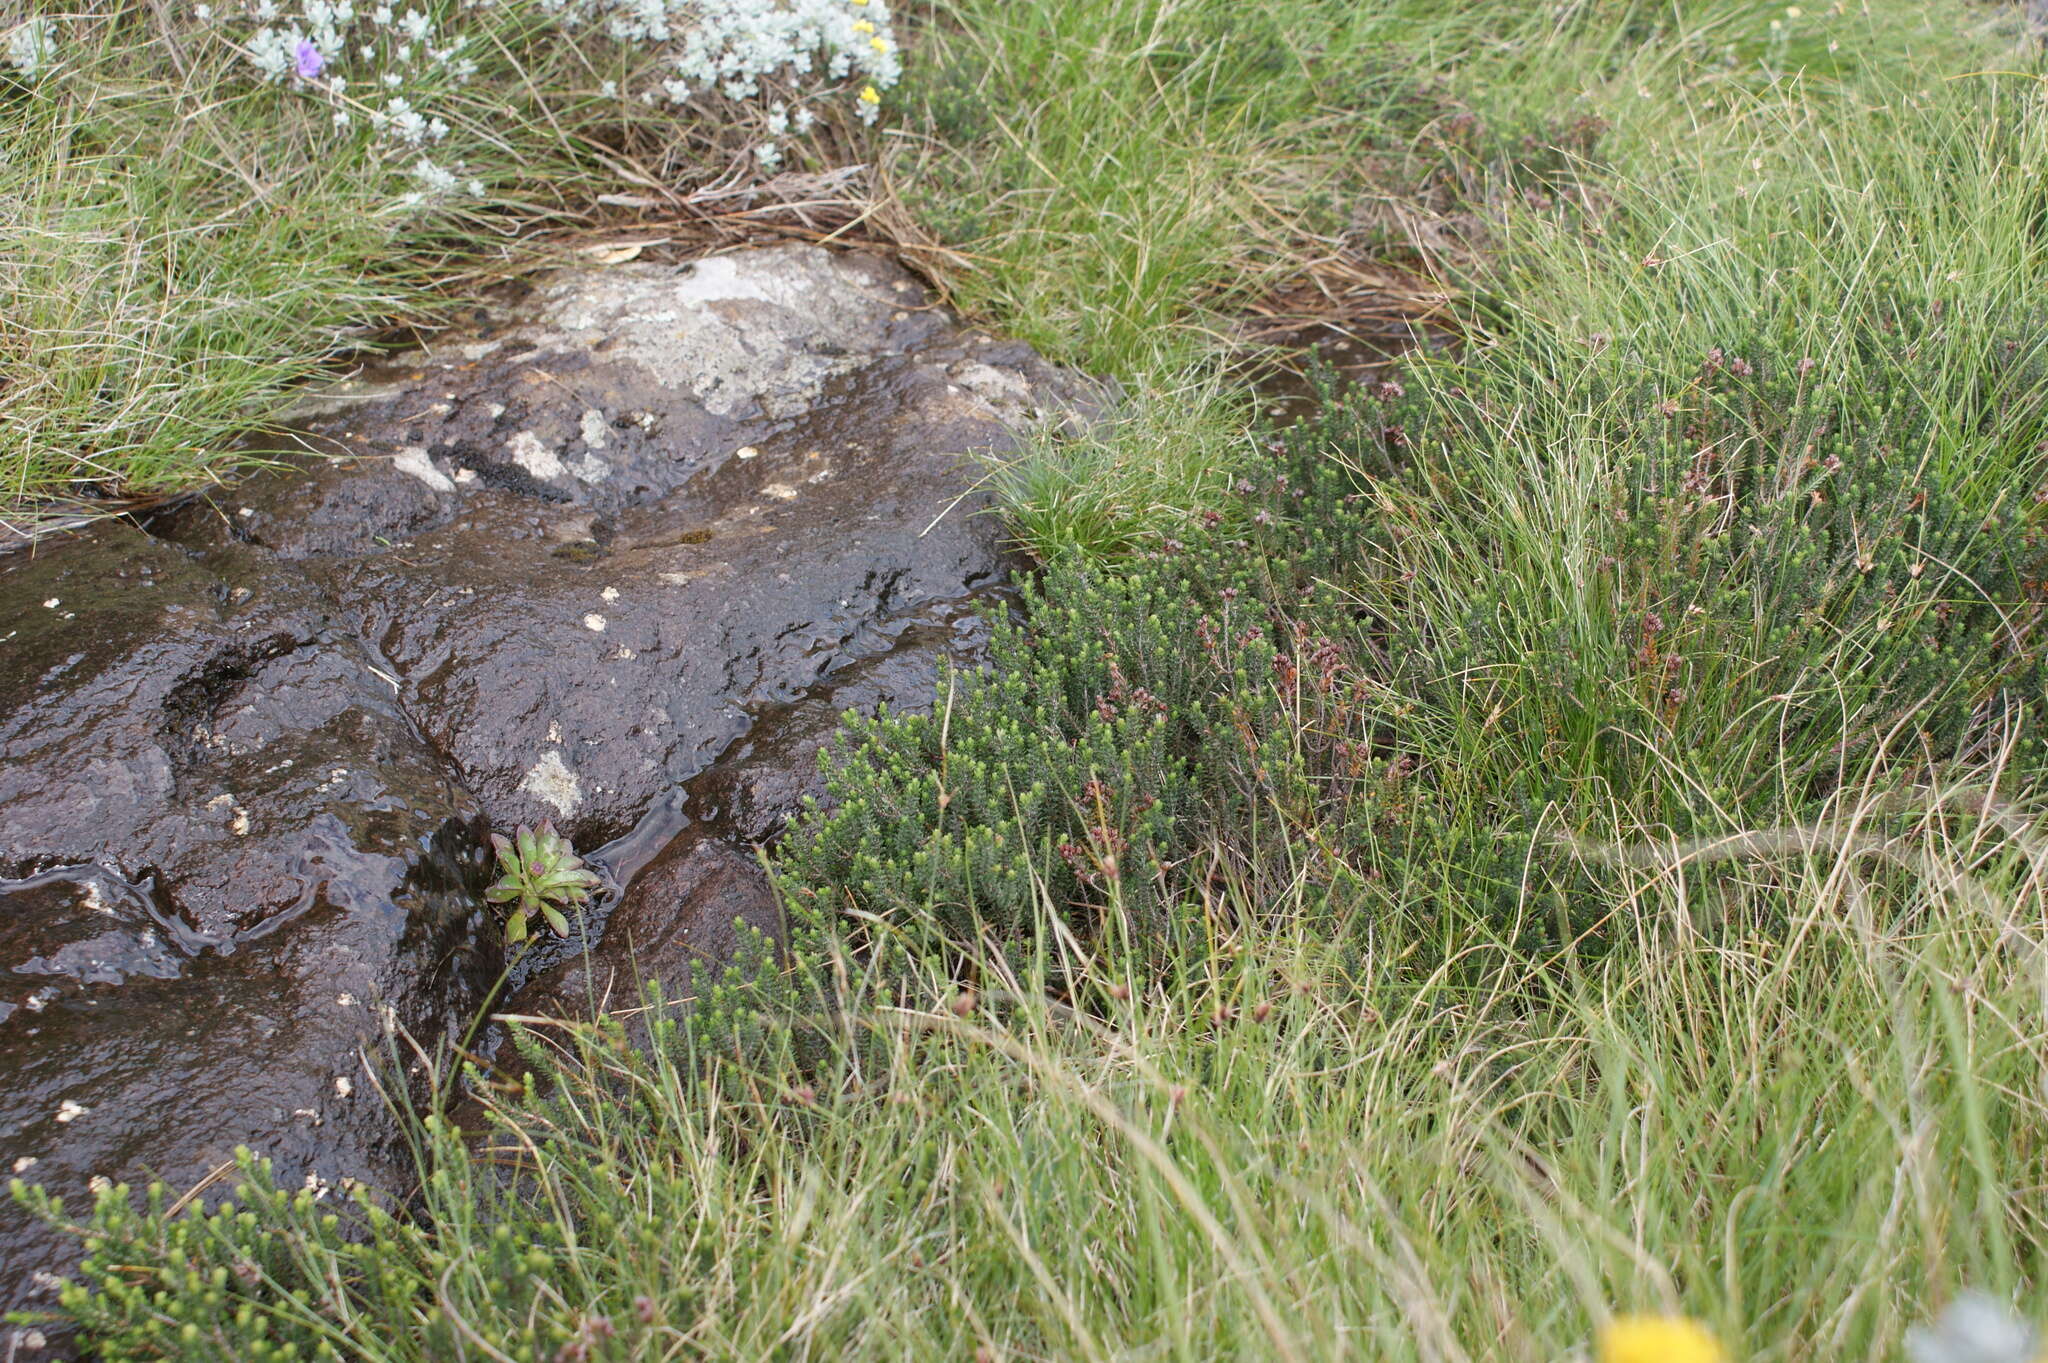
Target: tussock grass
<point x="1105" y="492"/>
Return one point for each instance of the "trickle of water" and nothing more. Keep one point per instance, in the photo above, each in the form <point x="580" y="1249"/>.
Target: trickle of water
<point x="85" y="925"/>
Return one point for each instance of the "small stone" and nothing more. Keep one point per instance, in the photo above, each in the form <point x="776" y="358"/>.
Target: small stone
<point x="594" y="623"/>
<point x="52" y="604"/>
<point x="746" y="452"/>
<point x="610" y="594"/>
<point x="99" y="1183"/>
<point x="69" y="1111"/>
<point x="24" y="1164"/>
<point x="343" y="1085"/>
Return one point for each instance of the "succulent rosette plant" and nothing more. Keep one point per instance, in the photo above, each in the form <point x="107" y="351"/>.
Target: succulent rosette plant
<point x="541" y="874"/>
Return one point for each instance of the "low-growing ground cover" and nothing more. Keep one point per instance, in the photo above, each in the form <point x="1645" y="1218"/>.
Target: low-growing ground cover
<point x="1556" y="836"/>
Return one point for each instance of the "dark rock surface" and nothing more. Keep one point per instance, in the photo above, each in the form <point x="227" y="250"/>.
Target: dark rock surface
<point x="227" y="855"/>
<point x="618" y="555"/>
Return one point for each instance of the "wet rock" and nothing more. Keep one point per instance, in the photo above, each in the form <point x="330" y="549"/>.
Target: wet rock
<point x="618" y="555"/>
<point x="224" y="854"/>
<point x="761" y="781"/>
<point x="694" y="871"/>
<point x="656" y="500"/>
<point x="685" y="917"/>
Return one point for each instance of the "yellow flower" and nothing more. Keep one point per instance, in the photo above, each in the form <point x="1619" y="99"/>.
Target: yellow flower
<point x="863" y="26"/>
<point x="869" y="95"/>
<point x="879" y="44"/>
<point x="1658" y="1339"/>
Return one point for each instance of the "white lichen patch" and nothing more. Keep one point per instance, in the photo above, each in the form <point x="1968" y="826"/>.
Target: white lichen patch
<point x="591" y="469"/>
<point x="781" y="492"/>
<point x="238" y="821"/>
<point x="69" y="1111"/>
<point x="594" y="623"/>
<point x="723" y="279"/>
<point x="597" y="433"/>
<point x="551" y="782"/>
<point x="413" y="459"/>
<point x="529" y="453"/>
<point x="1004" y="392"/>
<point x="610" y="593"/>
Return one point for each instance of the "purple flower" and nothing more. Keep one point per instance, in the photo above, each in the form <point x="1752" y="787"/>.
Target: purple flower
<point x="307" y="62"/>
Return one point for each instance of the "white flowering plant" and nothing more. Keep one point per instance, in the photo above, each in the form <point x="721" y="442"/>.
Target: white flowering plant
<point x="398" y="80"/>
